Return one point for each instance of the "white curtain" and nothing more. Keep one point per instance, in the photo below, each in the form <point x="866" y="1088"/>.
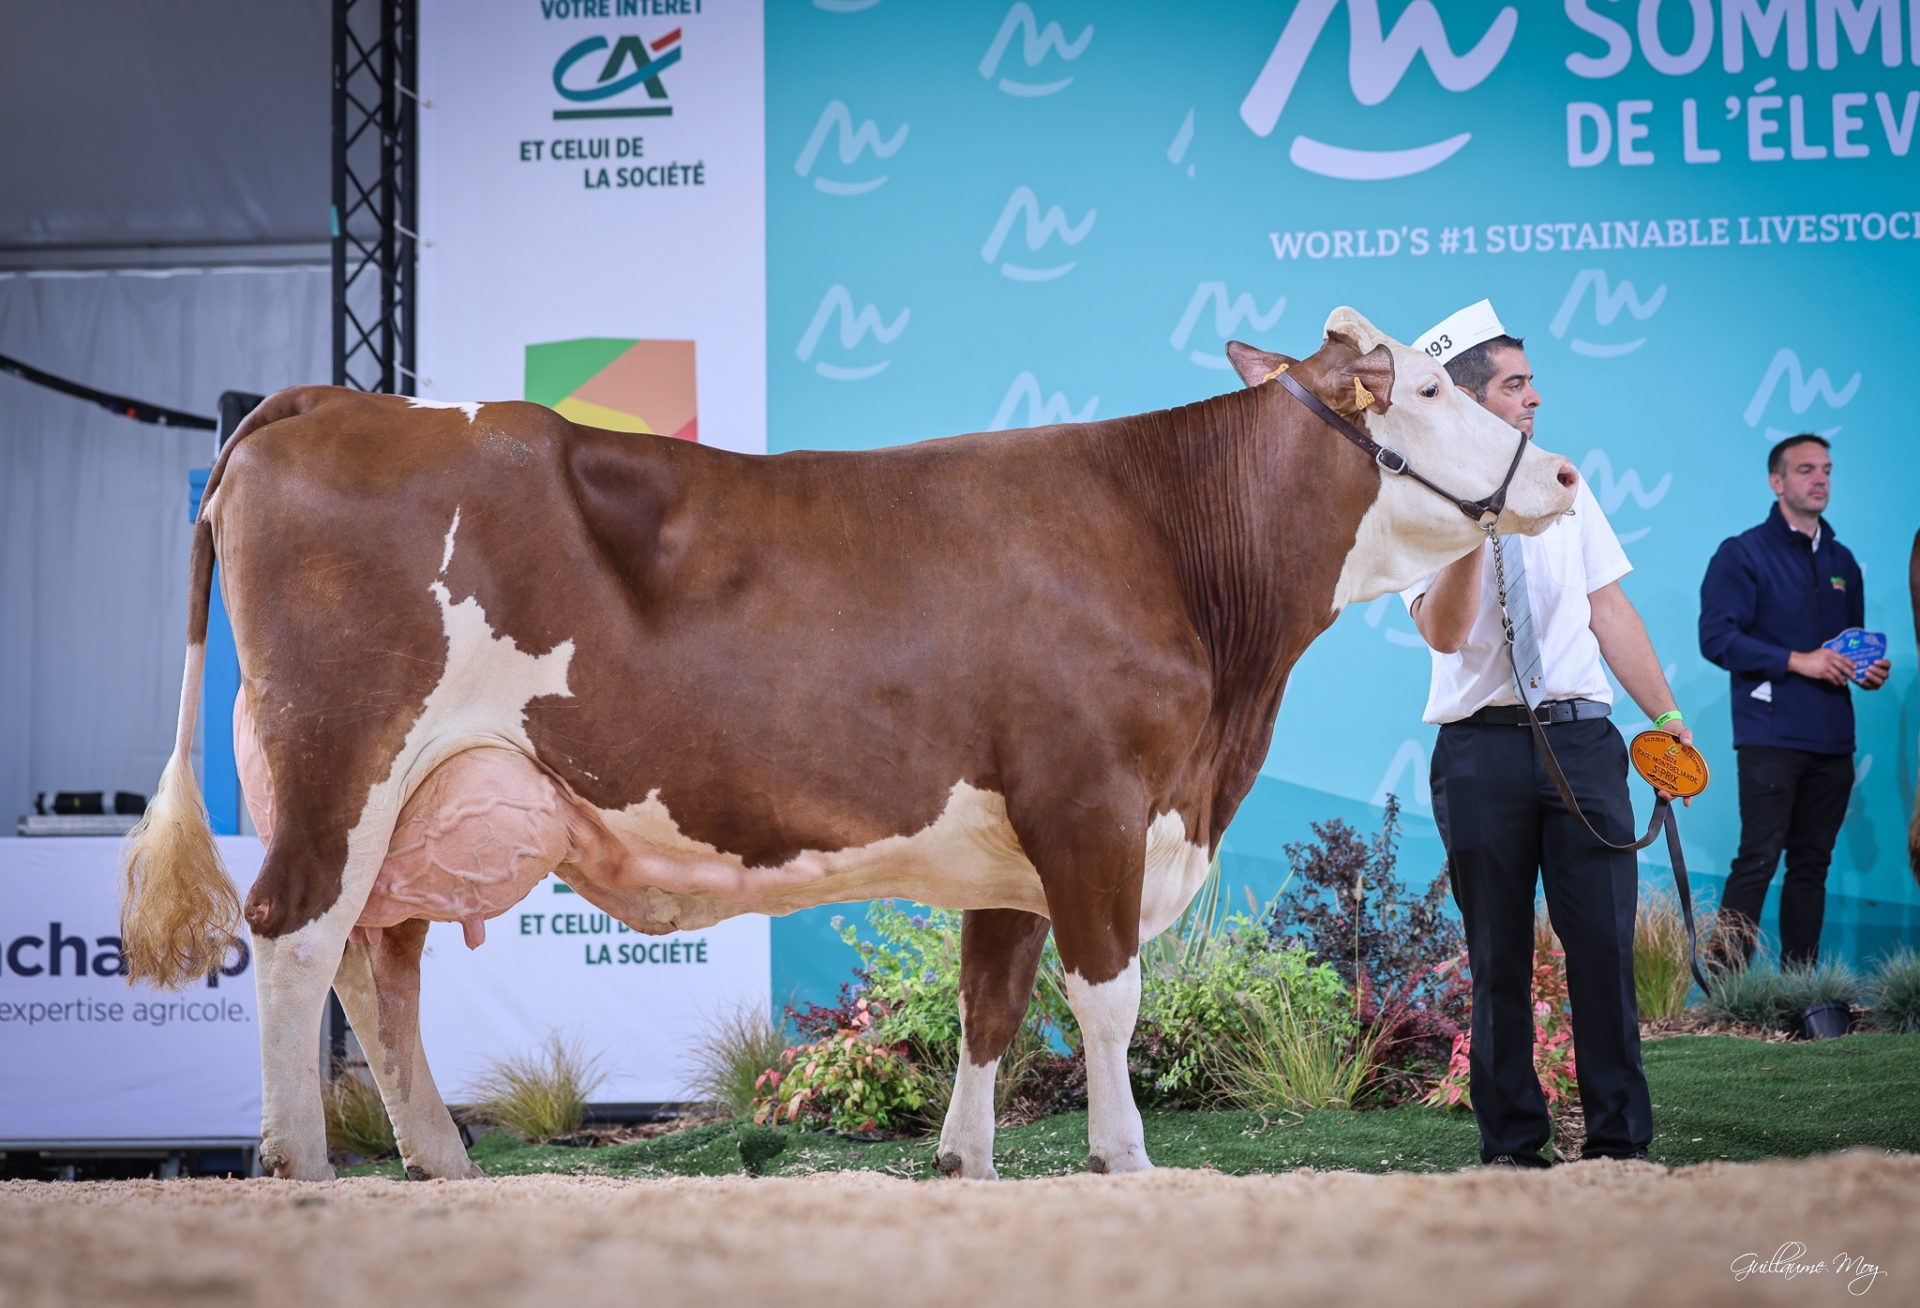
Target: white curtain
<point x="93" y="584"/>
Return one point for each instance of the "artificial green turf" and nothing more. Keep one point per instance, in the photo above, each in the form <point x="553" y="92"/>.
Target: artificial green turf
<point x="1714" y="1098"/>
<point x="1743" y="1099"/>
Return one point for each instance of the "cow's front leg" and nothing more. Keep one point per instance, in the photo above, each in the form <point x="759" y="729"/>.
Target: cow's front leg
<point x="379" y="986"/>
<point x="1106" y="1011"/>
<point x="1091" y="856"/>
<point x="999" y="954"/>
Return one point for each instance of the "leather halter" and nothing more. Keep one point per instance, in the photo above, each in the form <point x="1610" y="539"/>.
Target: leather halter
<point x="1481" y="512"/>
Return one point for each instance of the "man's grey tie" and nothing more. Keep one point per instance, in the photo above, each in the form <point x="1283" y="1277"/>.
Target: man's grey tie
<point x="1526" y="640"/>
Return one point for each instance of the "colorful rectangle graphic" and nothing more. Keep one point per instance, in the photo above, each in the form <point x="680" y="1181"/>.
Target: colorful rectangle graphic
<point x="618" y="385"/>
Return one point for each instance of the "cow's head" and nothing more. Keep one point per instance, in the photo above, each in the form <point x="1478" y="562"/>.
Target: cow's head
<point x="1405" y="400"/>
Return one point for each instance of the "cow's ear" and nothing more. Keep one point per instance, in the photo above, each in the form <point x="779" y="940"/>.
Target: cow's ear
<point x="1256" y="366"/>
<point x="1351" y="323"/>
<point x="1366" y="383"/>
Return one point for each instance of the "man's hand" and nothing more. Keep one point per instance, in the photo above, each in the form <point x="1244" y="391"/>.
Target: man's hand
<point x="1677" y="728"/>
<point x="1824" y="664"/>
<point x="1624" y="644"/>
<point x="1875" y="675"/>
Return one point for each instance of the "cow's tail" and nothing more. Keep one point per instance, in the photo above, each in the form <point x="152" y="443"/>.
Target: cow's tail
<point x="179" y="912"/>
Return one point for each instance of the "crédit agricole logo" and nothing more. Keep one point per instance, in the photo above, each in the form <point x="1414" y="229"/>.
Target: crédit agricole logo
<point x="614" y="75"/>
<point x="583" y="75"/>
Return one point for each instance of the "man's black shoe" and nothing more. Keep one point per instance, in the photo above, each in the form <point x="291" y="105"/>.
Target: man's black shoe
<point x="1519" y="1162"/>
<point x="1637" y="1156"/>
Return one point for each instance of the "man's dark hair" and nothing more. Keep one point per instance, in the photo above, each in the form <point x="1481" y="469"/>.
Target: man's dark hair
<point x="1777" y="456"/>
<point x="1473" y="369"/>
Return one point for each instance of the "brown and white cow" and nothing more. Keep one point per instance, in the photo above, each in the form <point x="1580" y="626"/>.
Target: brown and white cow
<point x="1028" y="674"/>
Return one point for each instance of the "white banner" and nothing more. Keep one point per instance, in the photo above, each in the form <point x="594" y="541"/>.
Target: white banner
<point x="593" y="211"/>
<point x="593" y="215"/>
<point x="84" y="1056"/>
<point x="554" y="963"/>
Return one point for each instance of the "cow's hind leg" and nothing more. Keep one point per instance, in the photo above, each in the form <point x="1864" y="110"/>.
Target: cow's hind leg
<point x="295" y="968"/>
<point x="999" y="953"/>
<point x="292" y="974"/>
<point x="379" y="986"/>
<point x="292" y="993"/>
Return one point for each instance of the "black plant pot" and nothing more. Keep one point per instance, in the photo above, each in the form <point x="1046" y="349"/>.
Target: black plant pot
<point x="1827" y="1020"/>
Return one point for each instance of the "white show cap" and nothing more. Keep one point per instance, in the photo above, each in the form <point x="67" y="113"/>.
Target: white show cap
<point x="1473" y="325"/>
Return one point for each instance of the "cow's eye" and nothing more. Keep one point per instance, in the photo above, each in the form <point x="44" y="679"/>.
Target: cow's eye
<point x="1430" y="390"/>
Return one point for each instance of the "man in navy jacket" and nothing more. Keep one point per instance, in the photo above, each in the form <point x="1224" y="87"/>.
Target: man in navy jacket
<point x="1772" y="596"/>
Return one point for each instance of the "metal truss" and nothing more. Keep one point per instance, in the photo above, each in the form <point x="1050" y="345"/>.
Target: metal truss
<point x="376" y="134"/>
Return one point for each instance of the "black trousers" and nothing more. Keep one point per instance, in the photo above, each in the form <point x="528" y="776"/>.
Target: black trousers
<point x="1793" y="800"/>
<point x="1505" y="828"/>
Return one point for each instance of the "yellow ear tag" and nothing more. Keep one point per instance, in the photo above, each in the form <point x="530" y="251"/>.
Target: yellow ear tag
<point x="1275" y="373"/>
<point x="1361" y="395"/>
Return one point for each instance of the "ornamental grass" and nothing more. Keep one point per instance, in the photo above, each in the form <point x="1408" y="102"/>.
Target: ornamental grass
<point x="1895" y="993"/>
<point x="538" y="1097"/>
<point x="1774" y="1000"/>
<point x="738" y="1047"/>
<point x="1661" y="978"/>
<point x="1290" y="1058"/>
<point x="356" y="1118"/>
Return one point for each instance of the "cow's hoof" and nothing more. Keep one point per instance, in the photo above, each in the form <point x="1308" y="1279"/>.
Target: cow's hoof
<point x="1095" y="1163"/>
<point x="415" y="1172"/>
<point x="275" y="1163"/>
<point x="1125" y="1162"/>
<point x="950" y="1164"/>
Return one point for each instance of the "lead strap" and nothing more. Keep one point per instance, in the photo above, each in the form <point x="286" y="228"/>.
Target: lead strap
<point x="1662" y="809"/>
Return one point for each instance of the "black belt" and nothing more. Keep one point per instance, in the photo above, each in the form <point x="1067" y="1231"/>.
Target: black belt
<point x="1550" y="711"/>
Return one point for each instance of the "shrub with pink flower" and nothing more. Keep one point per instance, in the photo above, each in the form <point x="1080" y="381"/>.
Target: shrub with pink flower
<point x="847" y="1081"/>
<point x="1552" y="1042"/>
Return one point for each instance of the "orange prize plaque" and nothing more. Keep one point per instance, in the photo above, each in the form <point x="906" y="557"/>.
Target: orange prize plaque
<point x="1669" y="765"/>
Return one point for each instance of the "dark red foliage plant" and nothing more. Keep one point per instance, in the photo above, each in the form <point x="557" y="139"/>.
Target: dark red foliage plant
<point x="812" y="1022"/>
<point x="1404" y="956"/>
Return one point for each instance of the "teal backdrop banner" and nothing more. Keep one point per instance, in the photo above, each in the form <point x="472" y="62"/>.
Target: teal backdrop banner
<point x="1700" y="215"/>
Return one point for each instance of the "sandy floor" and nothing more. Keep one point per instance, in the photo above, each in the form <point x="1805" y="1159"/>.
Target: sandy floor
<point x="1595" y="1233"/>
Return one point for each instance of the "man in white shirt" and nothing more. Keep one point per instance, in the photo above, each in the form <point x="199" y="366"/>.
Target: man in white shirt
<point x="1499" y="815"/>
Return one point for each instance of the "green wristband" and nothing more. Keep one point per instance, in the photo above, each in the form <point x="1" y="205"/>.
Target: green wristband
<point x="1660" y="722"/>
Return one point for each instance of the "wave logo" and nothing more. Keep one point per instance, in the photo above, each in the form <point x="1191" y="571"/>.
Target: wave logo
<point x="853" y="329"/>
<point x="1411" y="754"/>
<point x="1227" y="318"/>
<point x="852" y="144"/>
<point x="1597" y="471"/>
<point x="1606" y="307"/>
<point x="1375" y="65"/>
<point x="649" y="60"/>
<point x="1040" y="230"/>
<point x="1040" y="413"/>
<point x="1802" y="391"/>
<point x="1375" y="613"/>
<point x="1035" y="41"/>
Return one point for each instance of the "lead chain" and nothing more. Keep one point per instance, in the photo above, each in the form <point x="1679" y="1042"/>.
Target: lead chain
<point x="1500" y="586"/>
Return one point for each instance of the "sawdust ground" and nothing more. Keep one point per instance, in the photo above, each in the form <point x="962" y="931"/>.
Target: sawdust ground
<point x="1594" y="1233"/>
